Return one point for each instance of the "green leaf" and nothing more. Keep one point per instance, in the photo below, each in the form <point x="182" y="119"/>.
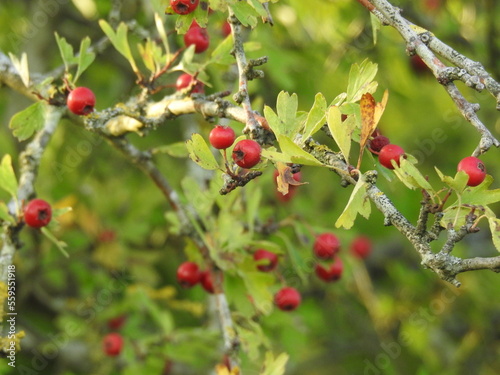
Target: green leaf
<point x="258" y="284"/>
<point x="273" y="121"/>
<point x="274" y="366"/>
<point x="59" y="244"/>
<point x="200" y="200"/>
<point x="257" y="5"/>
<point x="222" y="53"/>
<point x="66" y="50"/>
<point x="245" y="13"/>
<point x="495" y="231"/>
<point x="4" y="213"/>
<point x="200" y="153"/>
<point x="21" y="67"/>
<point x="85" y="58"/>
<point x="361" y="80"/>
<point x="411" y="176"/>
<point x="315" y="118"/>
<point x="8" y="180"/>
<point x="341" y="131"/>
<point x="295" y="153"/>
<point x="286" y="108"/>
<point x="30" y="120"/>
<point x="458" y="183"/>
<point x="480" y="195"/>
<point x="358" y="204"/>
<point x="162" y="318"/>
<point x="375" y="26"/>
<point x="177" y="150"/>
<point x="119" y="41"/>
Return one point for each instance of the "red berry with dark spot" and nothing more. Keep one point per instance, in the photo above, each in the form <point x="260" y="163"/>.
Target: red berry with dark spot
<point x="81" y="101"/>
<point x="361" y="247"/>
<point x="117" y="323"/>
<point x="475" y="168"/>
<point x="287" y="299"/>
<point x="326" y="246"/>
<point x="377" y="143"/>
<point x="246" y="153"/>
<point x="199" y="37"/>
<point x="185" y="80"/>
<point x="222" y="137"/>
<point x="184" y="6"/>
<point x="207" y="282"/>
<point x="332" y="272"/>
<point x="188" y="274"/>
<point x="388" y="153"/>
<point x="271" y="260"/>
<point x="37" y="213"/>
<point x="112" y="344"/>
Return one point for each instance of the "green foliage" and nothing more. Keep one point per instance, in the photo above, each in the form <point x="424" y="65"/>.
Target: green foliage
<point x="27" y="122"/>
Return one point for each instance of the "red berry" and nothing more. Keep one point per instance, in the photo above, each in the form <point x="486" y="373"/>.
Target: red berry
<point x="81" y="101"/>
<point x="184" y="6"/>
<point x="37" y="213"/>
<point x="188" y="274"/>
<point x="287" y="299"/>
<point x="332" y="272"/>
<point x="117" y="323"/>
<point x="226" y="28"/>
<point x="112" y="344"/>
<point x="185" y="80"/>
<point x="246" y="153"/>
<point x="272" y="260"/>
<point x="326" y="246"/>
<point x="221" y="137"/>
<point x="475" y="168"/>
<point x="361" y="247"/>
<point x="107" y="235"/>
<point x="197" y="36"/>
<point x="418" y="65"/>
<point x="390" y="152"/>
<point x="207" y="282"/>
<point x="377" y="143"/>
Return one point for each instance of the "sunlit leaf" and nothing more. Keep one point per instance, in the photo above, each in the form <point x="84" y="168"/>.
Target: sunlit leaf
<point x="275" y="366"/>
<point x="119" y="40"/>
<point x="30" y="120"/>
<point x="85" y="58"/>
<point x="200" y="153"/>
<point x="411" y="176"/>
<point x="295" y="153"/>
<point x="358" y="204"/>
<point x="8" y="181"/>
<point x="315" y="118"/>
<point x="361" y="80"/>
<point x="4" y="213"/>
<point x="341" y="131"/>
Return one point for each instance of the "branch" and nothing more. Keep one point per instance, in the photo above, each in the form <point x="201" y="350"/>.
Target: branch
<point x="242" y="97"/>
<point x="425" y="44"/>
<point x="30" y="160"/>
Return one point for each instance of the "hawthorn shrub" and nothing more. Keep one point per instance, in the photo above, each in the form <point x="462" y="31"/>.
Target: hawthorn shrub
<point x="248" y="187"/>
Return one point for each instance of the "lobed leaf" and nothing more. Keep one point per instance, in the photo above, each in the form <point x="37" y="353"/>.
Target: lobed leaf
<point x="200" y="153"/>
<point x="30" y="120"/>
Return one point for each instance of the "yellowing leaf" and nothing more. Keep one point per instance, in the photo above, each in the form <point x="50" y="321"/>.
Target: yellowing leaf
<point x="275" y="366"/>
<point x="296" y="154"/>
<point x="371" y="112"/>
<point x="341" y="131"/>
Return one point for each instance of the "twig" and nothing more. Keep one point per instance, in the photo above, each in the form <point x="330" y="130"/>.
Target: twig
<point x="251" y="124"/>
<point x="425" y="44"/>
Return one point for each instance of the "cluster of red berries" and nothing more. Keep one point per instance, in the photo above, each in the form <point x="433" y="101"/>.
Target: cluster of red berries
<point x="325" y="247"/>
<point x="387" y="153"/>
<point x="189" y="274"/>
<point x="246" y="153"/>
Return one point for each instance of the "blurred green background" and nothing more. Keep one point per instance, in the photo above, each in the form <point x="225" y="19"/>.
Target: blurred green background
<point x="386" y="316"/>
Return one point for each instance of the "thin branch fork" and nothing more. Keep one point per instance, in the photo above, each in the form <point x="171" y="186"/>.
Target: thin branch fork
<point x="425" y="45"/>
